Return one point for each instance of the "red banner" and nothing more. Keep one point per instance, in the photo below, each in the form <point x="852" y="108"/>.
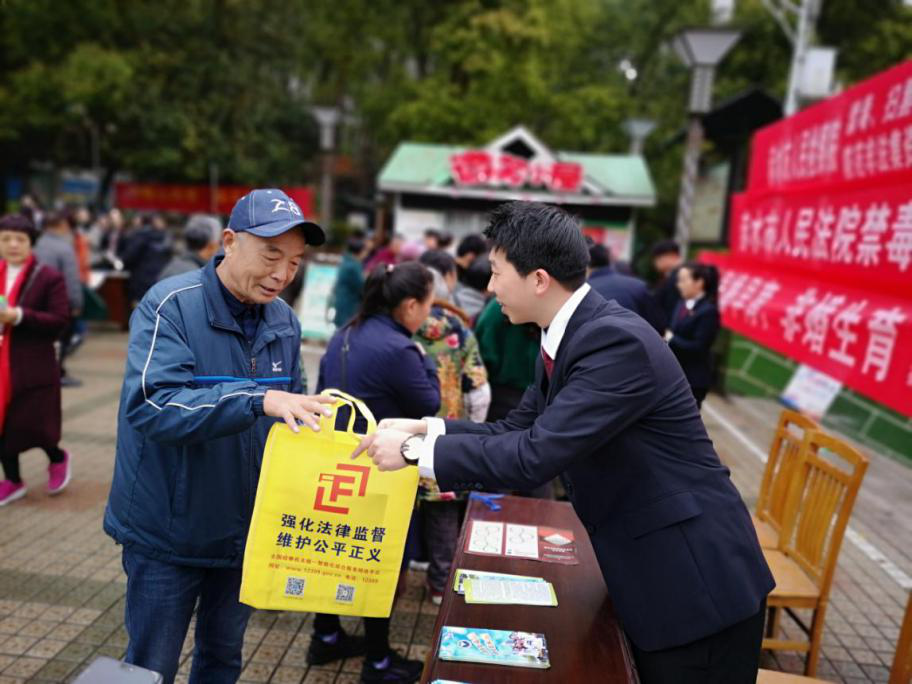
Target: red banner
<point x="859" y="337"/>
<point x="850" y="235"/>
<point x="190" y="199"/>
<point x="821" y="240"/>
<point x="863" y="134"/>
<point x="480" y="167"/>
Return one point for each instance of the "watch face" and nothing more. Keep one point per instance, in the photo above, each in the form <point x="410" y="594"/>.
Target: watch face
<point x="409" y="452"/>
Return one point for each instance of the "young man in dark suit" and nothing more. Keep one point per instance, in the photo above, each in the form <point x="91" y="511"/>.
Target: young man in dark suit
<point x="611" y="412"/>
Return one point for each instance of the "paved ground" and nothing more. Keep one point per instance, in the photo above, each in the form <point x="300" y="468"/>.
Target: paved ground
<point x="61" y="584"/>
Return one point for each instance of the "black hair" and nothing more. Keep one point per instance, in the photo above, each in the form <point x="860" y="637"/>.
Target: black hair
<point x="599" y="256"/>
<point x="665" y="247"/>
<point x="445" y="240"/>
<point x="534" y="235"/>
<point x="432" y="232"/>
<point x="472" y="244"/>
<point x="708" y="274"/>
<point x="355" y="244"/>
<point x="197" y="237"/>
<point x="478" y="275"/>
<point x="20" y="223"/>
<point x="388" y="286"/>
<point x="57" y="218"/>
<point x="440" y="261"/>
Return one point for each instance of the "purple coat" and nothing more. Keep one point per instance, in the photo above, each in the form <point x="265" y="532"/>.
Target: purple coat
<point x="33" y="417"/>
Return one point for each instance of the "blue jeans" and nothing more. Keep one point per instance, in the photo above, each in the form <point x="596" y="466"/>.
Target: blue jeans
<point x="160" y="602"/>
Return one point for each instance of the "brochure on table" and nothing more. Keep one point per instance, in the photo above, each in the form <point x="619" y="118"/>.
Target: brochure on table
<point x="494" y="647"/>
<point x="462" y="575"/>
<point x="509" y="592"/>
<point x="535" y="542"/>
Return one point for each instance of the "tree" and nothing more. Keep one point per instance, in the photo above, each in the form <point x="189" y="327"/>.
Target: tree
<point x="168" y="88"/>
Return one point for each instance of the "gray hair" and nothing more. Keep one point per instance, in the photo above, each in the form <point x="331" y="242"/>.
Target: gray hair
<point x="202" y="230"/>
<point x="441" y="290"/>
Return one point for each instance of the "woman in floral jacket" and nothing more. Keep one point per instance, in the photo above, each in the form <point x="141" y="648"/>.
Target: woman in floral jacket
<point x="464" y="393"/>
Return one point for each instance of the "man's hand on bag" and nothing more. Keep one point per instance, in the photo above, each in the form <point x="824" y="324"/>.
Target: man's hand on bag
<point x="297" y="407"/>
<point x="413" y="427"/>
<point x="385" y="448"/>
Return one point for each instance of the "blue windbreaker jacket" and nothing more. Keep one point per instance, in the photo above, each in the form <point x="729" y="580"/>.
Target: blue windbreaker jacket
<point x="189" y="437"/>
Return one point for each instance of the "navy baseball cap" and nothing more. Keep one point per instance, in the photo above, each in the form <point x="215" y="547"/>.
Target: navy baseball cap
<point x="267" y="212"/>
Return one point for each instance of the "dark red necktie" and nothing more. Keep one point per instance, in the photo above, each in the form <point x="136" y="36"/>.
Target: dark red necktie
<point x="684" y="311"/>
<point x="549" y="362"/>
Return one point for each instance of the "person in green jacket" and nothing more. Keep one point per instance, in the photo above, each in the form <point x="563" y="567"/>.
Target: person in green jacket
<point x="349" y="285"/>
<point x="509" y="353"/>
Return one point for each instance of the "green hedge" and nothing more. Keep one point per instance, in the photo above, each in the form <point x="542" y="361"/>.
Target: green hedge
<point x="753" y="370"/>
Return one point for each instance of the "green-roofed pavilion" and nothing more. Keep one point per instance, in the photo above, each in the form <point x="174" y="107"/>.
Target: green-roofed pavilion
<point x="452" y="187"/>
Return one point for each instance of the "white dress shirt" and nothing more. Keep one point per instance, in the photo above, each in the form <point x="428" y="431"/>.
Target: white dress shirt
<point x="12" y="272"/>
<point x="550" y="342"/>
<point x="692" y="302"/>
<point x="689" y="305"/>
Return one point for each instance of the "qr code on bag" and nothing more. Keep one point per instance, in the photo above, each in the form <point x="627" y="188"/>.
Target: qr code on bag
<point x="345" y="593"/>
<point x="294" y="586"/>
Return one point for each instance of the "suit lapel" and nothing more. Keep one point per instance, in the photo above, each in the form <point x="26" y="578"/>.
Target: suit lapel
<point x="592" y="303"/>
<point x="683" y="319"/>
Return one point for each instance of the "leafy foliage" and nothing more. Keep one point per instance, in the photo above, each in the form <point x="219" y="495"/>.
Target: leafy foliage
<point x="170" y="87"/>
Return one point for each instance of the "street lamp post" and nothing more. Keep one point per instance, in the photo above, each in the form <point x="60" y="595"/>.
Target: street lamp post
<point x="701" y="50"/>
<point x="328" y="118"/>
<point x="805" y="13"/>
<point x="638" y="130"/>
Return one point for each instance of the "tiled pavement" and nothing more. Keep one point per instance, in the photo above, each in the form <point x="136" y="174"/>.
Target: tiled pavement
<point x="61" y="583"/>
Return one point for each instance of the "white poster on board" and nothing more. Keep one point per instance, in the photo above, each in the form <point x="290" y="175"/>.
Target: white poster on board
<point x="811" y="391"/>
<point x="314" y="306"/>
<point x="413" y="222"/>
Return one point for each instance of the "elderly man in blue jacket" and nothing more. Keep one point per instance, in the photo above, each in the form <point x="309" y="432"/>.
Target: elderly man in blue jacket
<point x="213" y="361"/>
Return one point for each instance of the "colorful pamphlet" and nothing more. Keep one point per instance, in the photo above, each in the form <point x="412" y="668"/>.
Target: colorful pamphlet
<point x="494" y="647"/>
<point x="510" y="592"/>
<point x="462" y="575"/>
<point x="547" y="544"/>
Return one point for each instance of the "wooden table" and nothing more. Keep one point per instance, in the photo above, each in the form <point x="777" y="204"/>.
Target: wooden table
<point x="585" y="641"/>
<point x="113" y="290"/>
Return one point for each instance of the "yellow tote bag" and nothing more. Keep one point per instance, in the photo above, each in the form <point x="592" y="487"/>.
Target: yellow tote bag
<point x="327" y="533"/>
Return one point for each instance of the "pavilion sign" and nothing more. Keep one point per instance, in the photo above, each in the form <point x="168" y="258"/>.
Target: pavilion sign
<point x="500" y="169"/>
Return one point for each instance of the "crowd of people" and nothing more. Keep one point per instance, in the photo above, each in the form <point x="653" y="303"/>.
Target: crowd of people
<point x="418" y="334"/>
<point x="46" y="297"/>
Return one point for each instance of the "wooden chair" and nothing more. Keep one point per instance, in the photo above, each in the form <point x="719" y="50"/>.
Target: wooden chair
<point x="817" y="511"/>
<point x="900" y="673"/>
<point x="780" y="468"/>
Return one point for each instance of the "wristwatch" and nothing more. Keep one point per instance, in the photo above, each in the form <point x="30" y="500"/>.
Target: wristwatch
<point x="410" y="450"/>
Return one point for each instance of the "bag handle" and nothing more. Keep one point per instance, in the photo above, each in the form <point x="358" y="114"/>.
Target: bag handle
<point x="357" y="406"/>
<point x="345" y="349"/>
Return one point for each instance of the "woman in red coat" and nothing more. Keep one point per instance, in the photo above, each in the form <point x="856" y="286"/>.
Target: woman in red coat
<point x="33" y="312"/>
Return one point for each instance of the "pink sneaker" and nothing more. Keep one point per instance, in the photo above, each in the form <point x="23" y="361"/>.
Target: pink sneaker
<point x="10" y="491"/>
<point x="59" y="475"/>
